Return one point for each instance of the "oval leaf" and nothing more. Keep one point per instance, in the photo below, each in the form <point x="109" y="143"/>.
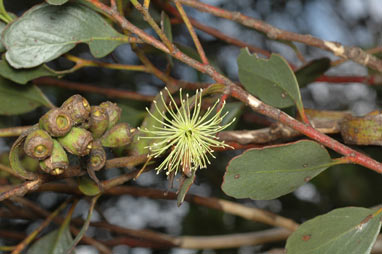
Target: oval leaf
<point x="17" y="100"/>
<point x="46" y="31"/>
<point x="271" y="172"/>
<point x="272" y="80"/>
<point x="341" y="231"/>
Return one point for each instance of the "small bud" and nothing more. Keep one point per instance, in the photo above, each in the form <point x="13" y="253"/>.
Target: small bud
<point x="113" y="111"/>
<point x="119" y="135"/>
<point x="78" y="141"/>
<point x="38" y="144"/>
<point x="99" y="121"/>
<point x="77" y="107"/>
<point x="56" y="122"/>
<point x="97" y="157"/>
<point x="57" y="162"/>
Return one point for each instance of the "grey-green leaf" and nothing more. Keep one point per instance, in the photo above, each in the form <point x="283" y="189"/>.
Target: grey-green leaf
<point x="56" y="242"/>
<point x="17" y="100"/>
<point x="56" y="2"/>
<point x="351" y="230"/>
<point x="268" y="173"/>
<point x="272" y="80"/>
<point x="22" y="76"/>
<point x="46" y="31"/>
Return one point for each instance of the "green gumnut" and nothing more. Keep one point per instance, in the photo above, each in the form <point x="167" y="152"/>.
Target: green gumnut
<point x="97" y="157"/>
<point x="30" y="163"/>
<point x="78" y="141"/>
<point x="77" y="107"/>
<point x="38" y="144"/>
<point x="57" y="162"/>
<point x="56" y="122"/>
<point x="119" y="135"/>
<point x="113" y="111"/>
<point x="98" y="121"/>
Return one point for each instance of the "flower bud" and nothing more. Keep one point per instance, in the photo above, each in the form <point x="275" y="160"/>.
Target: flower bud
<point x="57" y="162"/>
<point x="119" y="135"/>
<point x="77" y="107"/>
<point x="113" y="111"/>
<point x="97" y="157"/>
<point x="99" y="121"/>
<point x="56" y="122"/>
<point x="78" y="141"/>
<point x="38" y="144"/>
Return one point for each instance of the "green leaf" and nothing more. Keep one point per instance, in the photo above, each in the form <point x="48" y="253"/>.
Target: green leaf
<point x="149" y="122"/>
<point x="272" y="80"/>
<point x="17" y="100"/>
<point x="46" y="31"/>
<point x="351" y="230"/>
<point x="166" y="28"/>
<point x="309" y="72"/>
<point x="268" y="173"/>
<point x="22" y="76"/>
<point x="131" y="115"/>
<point x="185" y="187"/>
<point x="88" y="186"/>
<point x="56" y="2"/>
<point x="56" y="242"/>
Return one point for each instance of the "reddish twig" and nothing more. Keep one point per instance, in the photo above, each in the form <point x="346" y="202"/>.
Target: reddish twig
<point x="370" y="80"/>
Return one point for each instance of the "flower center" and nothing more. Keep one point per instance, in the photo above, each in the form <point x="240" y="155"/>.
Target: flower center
<point x="188" y="133"/>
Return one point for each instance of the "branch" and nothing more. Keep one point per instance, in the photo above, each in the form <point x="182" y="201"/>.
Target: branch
<point x="249" y="213"/>
<point x="234" y="240"/>
<point x="13" y="131"/>
<point x="353" y="53"/>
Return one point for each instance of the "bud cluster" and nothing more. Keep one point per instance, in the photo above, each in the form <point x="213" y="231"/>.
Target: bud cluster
<point x="77" y="128"/>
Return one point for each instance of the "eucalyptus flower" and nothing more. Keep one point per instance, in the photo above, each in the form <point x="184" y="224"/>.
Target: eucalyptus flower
<point x="189" y="135"/>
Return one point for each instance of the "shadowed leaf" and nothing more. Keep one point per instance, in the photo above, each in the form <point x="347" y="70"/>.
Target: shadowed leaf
<point x="17" y="100"/>
<point x="309" y="72"/>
